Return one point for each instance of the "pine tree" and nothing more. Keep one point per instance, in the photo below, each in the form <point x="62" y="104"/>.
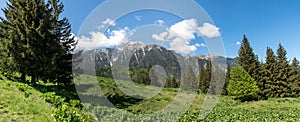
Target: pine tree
<point x="283" y="80"/>
<point x="248" y="60"/>
<point x="268" y="87"/>
<point x="189" y="80"/>
<point x="171" y="82"/>
<point x="294" y="75"/>
<point x="37" y="42"/>
<point x="205" y="77"/>
<point x="242" y="85"/>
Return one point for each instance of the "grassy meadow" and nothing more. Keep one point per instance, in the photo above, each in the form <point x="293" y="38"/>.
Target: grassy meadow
<point x="45" y="102"/>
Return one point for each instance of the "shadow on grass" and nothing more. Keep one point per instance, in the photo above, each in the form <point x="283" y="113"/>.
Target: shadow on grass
<point x="66" y="91"/>
<point x="113" y="98"/>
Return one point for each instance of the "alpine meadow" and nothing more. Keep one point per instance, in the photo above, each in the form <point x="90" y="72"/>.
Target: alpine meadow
<point x="79" y="61"/>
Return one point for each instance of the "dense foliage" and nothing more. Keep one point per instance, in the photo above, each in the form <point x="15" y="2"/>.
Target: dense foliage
<point x="276" y="77"/>
<point x="35" y="41"/>
<point x="242" y="85"/>
<point x="248" y="60"/>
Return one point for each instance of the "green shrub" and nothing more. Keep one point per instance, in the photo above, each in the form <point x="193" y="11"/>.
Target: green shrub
<point x="66" y="113"/>
<point x="53" y="99"/>
<point x="23" y="88"/>
<point x="242" y="85"/>
<point x="76" y="104"/>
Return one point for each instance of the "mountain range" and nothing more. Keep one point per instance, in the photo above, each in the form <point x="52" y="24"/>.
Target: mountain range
<point x="142" y="55"/>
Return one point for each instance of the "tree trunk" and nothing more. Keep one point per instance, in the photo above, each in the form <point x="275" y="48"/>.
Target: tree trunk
<point x="34" y="79"/>
<point x="23" y="77"/>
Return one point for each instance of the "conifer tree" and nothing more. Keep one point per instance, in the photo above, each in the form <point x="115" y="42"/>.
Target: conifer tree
<point x="268" y="85"/>
<point x="294" y="75"/>
<point x="205" y="77"/>
<point x="37" y="42"/>
<point x="189" y="80"/>
<point x="248" y="60"/>
<point x="171" y="82"/>
<point x="284" y="80"/>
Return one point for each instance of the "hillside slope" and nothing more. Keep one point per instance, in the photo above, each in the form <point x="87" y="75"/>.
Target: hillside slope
<point x="17" y="105"/>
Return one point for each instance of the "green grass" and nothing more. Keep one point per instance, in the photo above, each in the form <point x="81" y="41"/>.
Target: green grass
<point x="17" y="105"/>
<point x="21" y="102"/>
<point x="227" y="109"/>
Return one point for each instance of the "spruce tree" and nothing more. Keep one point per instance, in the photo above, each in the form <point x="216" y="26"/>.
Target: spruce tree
<point x="189" y="80"/>
<point x="248" y="60"/>
<point x="37" y="42"/>
<point x="205" y="77"/>
<point x="268" y="86"/>
<point x="171" y="82"/>
<point x="294" y="75"/>
<point x="284" y="80"/>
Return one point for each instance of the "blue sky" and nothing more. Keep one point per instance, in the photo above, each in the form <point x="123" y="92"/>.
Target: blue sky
<point x="266" y="23"/>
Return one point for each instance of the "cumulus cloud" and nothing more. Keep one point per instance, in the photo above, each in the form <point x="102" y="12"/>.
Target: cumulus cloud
<point x="159" y="22"/>
<point x="238" y="43"/>
<point x="108" y="22"/>
<point x="160" y="37"/>
<point x="180" y="34"/>
<point x="98" y="39"/>
<point x="138" y="18"/>
<point x="182" y="46"/>
<point x="209" y="30"/>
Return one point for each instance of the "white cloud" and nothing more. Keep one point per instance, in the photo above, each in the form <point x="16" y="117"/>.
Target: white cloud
<point x="184" y="29"/>
<point x="160" y="37"/>
<point x="238" y="43"/>
<point x="159" y="22"/>
<point x="138" y="18"/>
<point x="98" y="39"/>
<point x="200" y="45"/>
<point x="108" y="22"/>
<point x="209" y="30"/>
<point x="182" y="46"/>
<point x="180" y="34"/>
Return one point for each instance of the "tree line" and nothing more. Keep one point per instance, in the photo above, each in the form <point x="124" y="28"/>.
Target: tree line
<point x="36" y="41"/>
<point x="276" y="77"/>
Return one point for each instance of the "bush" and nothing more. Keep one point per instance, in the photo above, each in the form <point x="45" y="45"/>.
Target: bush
<point x="66" y="113"/>
<point x="50" y="97"/>
<point x="242" y="85"/>
<point x="23" y="88"/>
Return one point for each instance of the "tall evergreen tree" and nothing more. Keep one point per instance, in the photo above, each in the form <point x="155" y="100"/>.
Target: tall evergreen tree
<point x="248" y="60"/>
<point x="205" y="77"/>
<point x="268" y="85"/>
<point x="189" y="80"/>
<point x="171" y="82"/>
<point x="284" y="80"/>
<point x="37" y="42"/>
<point x="294" y="75"/>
